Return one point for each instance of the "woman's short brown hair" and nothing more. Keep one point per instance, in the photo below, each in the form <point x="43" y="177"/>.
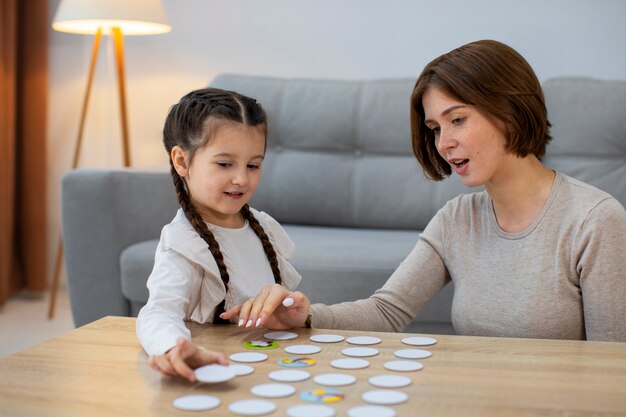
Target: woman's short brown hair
<point x="495" y="79"/>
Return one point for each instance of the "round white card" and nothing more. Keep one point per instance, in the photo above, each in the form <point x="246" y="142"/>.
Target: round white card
<point x="371" y="411"/>
<point x="384" y="397"/>
<point x="363" y="340"/>
<point x="349" y="363"/>
<point x="403" y="366"/>
<point x="360" y="352"/>
<point x="211" y="374"/>
<point x="310" y="410"/>
<point x="334" y="380"/>
<point x="248" y="357"/>
<point x="419" y="341"/>
<point x="280" y="335"/>
<point x="302" y="349"/>
<point x="196" y="402"/>
<point x="241" y="370"/>
<point x="326" y="338"/>
<point x="389" y="381"/>
<point x="289" y="375"/>
<point x="273" y="390"/>
<point x="412" y="354"/>
<point x="252" y="407"/>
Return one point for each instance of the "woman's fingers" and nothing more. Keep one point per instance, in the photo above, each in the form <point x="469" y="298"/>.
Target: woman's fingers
<point x="275" y="299"/>
<point x="231" y="312"/>
<point x="262" y="303"/>
<point x="245" y="316"/>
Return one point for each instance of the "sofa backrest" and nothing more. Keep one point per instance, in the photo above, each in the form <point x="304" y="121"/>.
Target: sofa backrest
<point x="588" y="119"/>
<point x="339" y="152"/>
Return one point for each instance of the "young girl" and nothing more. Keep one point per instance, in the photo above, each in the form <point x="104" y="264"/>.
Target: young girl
<point x="217" y="252"/>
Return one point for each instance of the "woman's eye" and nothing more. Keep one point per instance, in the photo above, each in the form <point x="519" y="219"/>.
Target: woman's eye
<point x="435" y="130"/>
<point x="458" y="120"/>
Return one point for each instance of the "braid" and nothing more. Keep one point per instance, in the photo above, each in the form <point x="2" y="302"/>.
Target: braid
<point x="265" y="241"/>
<point x="201" y="228"/>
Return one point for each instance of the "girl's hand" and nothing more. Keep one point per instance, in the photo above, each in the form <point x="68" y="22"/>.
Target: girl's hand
<point x="183" y="358"/>
<point x="274" y="308"/>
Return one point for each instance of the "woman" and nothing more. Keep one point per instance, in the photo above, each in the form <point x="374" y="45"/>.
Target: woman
<point x="537" y="254"/>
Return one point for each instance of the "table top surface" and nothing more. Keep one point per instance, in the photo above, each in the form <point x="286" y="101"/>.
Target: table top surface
<point x="101" y="370"/>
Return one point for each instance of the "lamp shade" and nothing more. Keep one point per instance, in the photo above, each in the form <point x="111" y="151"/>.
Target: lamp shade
<point x="133" y="17"/>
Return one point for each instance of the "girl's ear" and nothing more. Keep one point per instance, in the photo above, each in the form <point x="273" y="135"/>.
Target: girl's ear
<point x="179" y="159"/>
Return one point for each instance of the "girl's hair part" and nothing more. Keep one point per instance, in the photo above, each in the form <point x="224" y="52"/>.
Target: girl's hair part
<point x="190" y="124"/>
<point x="495" y="79"/>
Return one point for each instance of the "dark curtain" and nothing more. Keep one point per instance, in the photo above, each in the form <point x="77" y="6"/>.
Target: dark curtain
<point x="23" y="114"/>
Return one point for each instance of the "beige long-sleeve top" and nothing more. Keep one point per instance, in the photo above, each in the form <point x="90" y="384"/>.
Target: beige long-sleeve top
<point x="564" y="277"/>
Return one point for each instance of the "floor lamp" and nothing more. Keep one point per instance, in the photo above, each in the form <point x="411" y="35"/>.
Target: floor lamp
<point x="104" y="17"/>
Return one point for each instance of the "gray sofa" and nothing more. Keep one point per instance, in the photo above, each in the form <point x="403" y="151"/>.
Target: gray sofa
<point x="339" y="175"/>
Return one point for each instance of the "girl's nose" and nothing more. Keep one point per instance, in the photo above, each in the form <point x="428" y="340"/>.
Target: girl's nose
<point x="240" y="178"/>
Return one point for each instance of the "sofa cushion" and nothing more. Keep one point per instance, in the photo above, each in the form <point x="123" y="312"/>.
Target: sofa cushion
<point x="336" y="264"/>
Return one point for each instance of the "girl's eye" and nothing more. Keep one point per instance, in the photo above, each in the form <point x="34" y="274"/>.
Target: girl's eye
<point x="224" y="164"/>
<point x="253" y="166"/>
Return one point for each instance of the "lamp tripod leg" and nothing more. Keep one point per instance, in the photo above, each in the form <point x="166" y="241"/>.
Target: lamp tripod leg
<point x="118" y="42"/>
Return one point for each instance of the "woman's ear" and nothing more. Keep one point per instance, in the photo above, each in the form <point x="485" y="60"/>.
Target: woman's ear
<point x="179" y="159"/>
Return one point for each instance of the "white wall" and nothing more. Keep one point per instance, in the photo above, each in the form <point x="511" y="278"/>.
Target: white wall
<point x="348" y="39"/>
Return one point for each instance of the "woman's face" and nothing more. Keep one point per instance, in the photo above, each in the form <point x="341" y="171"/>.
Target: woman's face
<point x="472" y="143"/>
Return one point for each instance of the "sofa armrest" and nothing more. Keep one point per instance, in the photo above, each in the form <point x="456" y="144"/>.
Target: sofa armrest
<point x="103" y="212"/>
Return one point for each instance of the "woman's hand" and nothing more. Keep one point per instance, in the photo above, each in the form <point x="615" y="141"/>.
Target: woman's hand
<point x="274" y="308"/>
<point x="183" y="358"/>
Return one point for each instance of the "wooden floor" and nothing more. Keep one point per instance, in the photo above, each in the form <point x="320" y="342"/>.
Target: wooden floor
<point x="24" y="321"/>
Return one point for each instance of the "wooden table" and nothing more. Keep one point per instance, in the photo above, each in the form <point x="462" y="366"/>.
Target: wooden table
<point x="101" y="370"/>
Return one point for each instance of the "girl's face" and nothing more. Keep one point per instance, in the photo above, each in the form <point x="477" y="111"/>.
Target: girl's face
<point x="223" y="174"/>
<point x="471" y="142"/>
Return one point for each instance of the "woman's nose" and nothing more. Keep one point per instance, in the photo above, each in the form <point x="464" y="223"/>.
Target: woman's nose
<point x="445" y="142"/>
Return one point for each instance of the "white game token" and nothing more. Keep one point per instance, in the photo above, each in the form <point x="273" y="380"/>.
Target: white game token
<point x="360" y="352"/>
<point x="403" y="366"/>
<point x="248" y="357"/>
<point x="280" y="335"/>
<point x="241" y="370"/>
<point x="212" y="374"/>
<point x="371" y="411"/>
<point x="196" y="402"/>
<point x="363" y="340"/>
<point x="273" y="390"/>
<point x="389" y="381"/>
<point x="326" y="338"/>
<point x="419" y="341"/>
<point x="310" y="410"/>
<point x="289" y="375"/>
<point x="412" y="354"/>
<point x="302" y="349"/>
<point x="384" y="397"/>
<point x="350" y="363"/>
<point x="252" y="407"/>
<point x="334" y="380"/>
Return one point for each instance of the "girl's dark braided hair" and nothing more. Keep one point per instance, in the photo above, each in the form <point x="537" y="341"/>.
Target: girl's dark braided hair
<point x="188" y="125"/>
